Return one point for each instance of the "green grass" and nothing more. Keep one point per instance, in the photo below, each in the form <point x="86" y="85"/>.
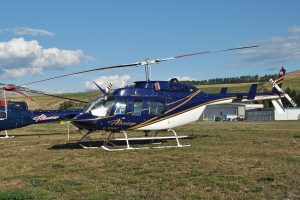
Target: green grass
<point x="225" y="161"/>
<point x="293" y="83"/>
<point x="15" y="194"/>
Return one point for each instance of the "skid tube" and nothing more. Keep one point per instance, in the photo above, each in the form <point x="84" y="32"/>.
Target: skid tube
<point x="128" y="147"/>
<point x="128" y="139"/>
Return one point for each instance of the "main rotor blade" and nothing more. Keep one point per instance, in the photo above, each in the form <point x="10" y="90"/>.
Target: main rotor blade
<point x="51" y="95"/>
<point x="207" y="52"/>
<point x="21" y="91"/>
<point x="141" y="63"/>
<point x="81" y="72"/>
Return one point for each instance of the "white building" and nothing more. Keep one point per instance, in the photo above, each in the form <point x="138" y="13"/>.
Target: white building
<point x="289" y="114"/>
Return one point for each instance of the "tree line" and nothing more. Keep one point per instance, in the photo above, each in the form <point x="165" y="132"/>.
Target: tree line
<point x="238" y="79"/>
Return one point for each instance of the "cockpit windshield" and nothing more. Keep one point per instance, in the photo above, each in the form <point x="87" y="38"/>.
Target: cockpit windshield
<point x="101" y="106"/>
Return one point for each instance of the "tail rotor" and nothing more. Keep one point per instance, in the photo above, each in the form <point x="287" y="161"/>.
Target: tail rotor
<point x="277" y="86"/>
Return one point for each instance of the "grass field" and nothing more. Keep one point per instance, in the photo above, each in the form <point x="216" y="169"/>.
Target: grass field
<point x="225" y="161"/>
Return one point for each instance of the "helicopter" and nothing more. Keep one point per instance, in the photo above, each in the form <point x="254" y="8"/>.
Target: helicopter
<point x="158" y="105"/>
<point x="15" y="114"/>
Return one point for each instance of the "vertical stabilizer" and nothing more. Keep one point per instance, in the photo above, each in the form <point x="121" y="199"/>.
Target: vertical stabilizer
<point x="279" y="79"/>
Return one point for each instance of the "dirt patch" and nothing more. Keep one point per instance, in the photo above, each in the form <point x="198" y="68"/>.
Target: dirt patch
<point x="11" y="185"/>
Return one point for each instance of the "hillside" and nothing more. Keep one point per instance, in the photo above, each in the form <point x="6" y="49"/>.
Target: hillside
<point x="44" y="102"/>
<point x="292" y="81"/>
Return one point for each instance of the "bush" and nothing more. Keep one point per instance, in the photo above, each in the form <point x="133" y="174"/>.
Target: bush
<point x="70" y="105"/>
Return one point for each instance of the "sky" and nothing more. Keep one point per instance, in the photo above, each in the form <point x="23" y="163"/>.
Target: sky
<point x="41" y="39"/>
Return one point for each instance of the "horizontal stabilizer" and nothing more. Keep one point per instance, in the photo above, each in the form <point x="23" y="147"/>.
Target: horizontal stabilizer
<point x="252" y="92"/>
<point x="223" y="91"/>
<point x="278" y="81"/>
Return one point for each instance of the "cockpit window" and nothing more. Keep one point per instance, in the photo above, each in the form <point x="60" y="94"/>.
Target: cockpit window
<point x="100" y="107"/>
<point x="92" y="104"/>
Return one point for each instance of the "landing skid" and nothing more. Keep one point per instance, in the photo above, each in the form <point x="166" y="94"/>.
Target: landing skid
<point x="6" y="136"/>
<point x="107" y="147"/>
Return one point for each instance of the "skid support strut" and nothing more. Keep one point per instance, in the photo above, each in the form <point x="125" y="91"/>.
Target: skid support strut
<point x="6" y="136"/>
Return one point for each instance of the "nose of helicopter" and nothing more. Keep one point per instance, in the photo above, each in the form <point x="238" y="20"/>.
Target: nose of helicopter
<point x="85" y="121"/>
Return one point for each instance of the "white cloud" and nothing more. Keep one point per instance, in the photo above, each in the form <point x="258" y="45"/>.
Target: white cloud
<point x="278" y="50"/>
<point x="184" y="78"/>
<point x="116" y="80"/>
<point x="19" y="57"/>
<point x="294" y="29"/>
<point x="32" y="31"/>
<point x="17" y="73"/>
<point x="27" y="31"/>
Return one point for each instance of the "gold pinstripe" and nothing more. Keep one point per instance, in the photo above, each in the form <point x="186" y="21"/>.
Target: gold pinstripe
<point x="195" y="93"/>
<point x="141" y="124"/>
<point x="179" y="100"/>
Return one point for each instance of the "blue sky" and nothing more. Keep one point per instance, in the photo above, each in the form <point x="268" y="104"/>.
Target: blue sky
<point x="40" y="39"/>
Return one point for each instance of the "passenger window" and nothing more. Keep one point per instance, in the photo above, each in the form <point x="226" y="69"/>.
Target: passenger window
<point x="120" y="108"/>
<point x="156" y="108"/>
<point x="137" y="107"/>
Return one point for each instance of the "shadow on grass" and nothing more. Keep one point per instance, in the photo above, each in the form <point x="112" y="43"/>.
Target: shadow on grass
<point x="99" y="143"/>
<point x="36" y="134"/>
<point x="77" y="145"/>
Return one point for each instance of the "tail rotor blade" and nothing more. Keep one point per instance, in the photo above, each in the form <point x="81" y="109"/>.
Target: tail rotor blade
<point x="23" y="94"/>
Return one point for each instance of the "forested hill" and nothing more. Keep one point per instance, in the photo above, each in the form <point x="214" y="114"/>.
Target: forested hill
<point x="291" y="76"/>
<point x="238" y="79"/>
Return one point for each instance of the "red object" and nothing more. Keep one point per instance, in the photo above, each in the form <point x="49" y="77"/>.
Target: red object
<point x="10" y="88"/>
<point x="2" y="103"/>
<point x="157" y="86"/>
